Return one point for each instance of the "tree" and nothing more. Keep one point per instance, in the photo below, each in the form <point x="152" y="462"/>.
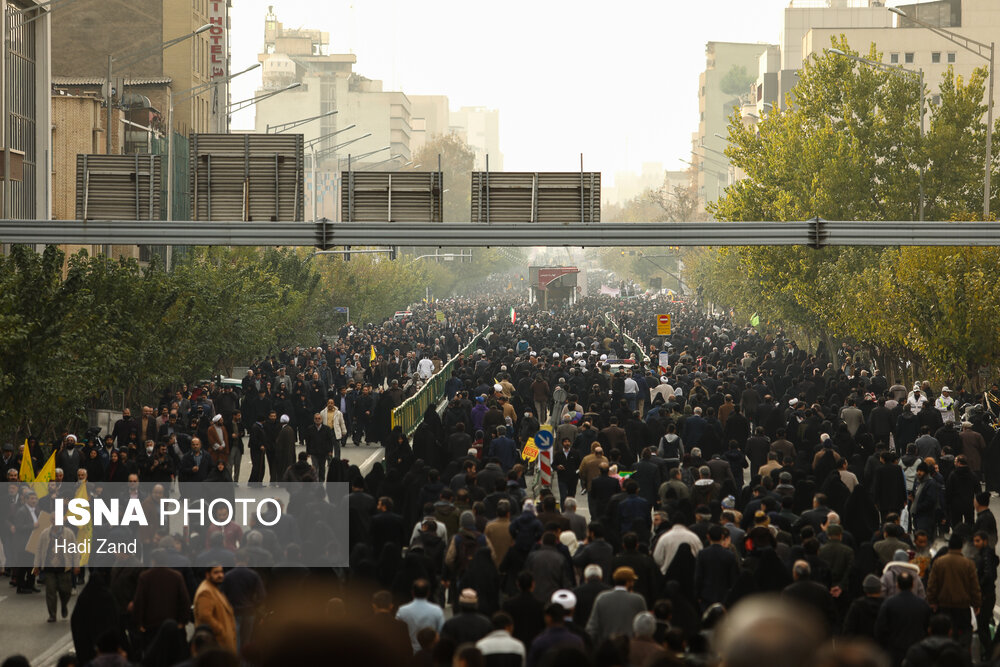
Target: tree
<point x="849" y="148"/>
<point x="457" y="163"/>
<point x="736" y="81"/>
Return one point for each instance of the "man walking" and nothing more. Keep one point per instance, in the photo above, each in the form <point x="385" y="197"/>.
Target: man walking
<point x="211" y="608"/>
<point x="953" y="588"/>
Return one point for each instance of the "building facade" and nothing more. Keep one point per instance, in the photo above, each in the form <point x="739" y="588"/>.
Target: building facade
<point x="479" y="127"/>
<point x="132" y="32"/>
<point x="27" y="143"/>
<point x="730" y="68"/>
<point x="914" y="47"/>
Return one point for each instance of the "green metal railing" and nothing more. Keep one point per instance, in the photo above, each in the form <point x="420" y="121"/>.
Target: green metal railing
<point x="411" y="412"/>
<point x="628" y="339"/>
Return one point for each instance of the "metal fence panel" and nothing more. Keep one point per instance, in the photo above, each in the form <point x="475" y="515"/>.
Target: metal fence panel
<point x="411" y="412"/>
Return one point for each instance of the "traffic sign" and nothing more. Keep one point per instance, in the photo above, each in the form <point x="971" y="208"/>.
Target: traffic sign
<point x="544" y="438"/>
<point x="530" y="451"/>
<point x="663" y="324"/>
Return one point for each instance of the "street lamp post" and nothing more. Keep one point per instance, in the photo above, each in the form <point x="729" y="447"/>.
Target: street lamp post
<point x="131" y="61"/>
<point x="899" y="71"/>
<point x="980" y="49"/>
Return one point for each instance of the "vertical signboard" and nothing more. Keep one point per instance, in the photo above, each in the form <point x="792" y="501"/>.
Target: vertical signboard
<point x="217" y="38"/>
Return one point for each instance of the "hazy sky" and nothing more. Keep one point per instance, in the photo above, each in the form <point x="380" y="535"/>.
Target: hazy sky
<point x="617" y="81"/>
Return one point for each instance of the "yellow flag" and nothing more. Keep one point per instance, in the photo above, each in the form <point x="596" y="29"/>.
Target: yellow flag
<point x="27" y="473"/>
<point x="45" y="475"/>
<point x="86" y="533"/>
<point x="373" y="353"/>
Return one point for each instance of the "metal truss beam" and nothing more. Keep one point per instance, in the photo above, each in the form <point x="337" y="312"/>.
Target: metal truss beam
<point x="323" y="235"/>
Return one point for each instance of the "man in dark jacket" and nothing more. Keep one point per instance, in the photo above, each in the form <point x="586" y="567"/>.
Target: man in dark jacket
<point x="468" y="625"/>
<point x="811" y="595"/>
<point x="319" y="445"/>
<point x="960" y="491"/>
<point x="717" y="568"/>
<point x="601" y="489"/>
<point x="566" y="463"/>
<point x="504" y="449"/>
<point x="938" y="648"/>
<point x="902" y="621"/>
<point x="526" y="610"/>
<point x="985" y="558"/>
<point x="863" y="612"/>
<point x="648" y="476"/>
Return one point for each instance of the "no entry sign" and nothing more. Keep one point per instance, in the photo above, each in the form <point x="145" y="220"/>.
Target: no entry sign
<point x="663" y="324"/>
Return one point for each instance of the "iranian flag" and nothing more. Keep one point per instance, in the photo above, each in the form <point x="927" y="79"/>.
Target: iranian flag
<point x="513" y="315"/>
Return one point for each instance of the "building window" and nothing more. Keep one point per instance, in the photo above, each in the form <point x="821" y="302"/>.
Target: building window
<point x="951" y="56"/>
<point x="935" y="99"/>
<point x="936" y="57"/>
<point x="908" y="58"/>
<point x="894" y="58"/>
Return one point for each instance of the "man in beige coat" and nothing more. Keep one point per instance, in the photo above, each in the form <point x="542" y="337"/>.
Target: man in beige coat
<point x="211" y="608"/>
<point x="58" y="565"/>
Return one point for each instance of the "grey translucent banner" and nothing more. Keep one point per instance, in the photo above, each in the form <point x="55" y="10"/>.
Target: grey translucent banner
<point x="176" y="524"/>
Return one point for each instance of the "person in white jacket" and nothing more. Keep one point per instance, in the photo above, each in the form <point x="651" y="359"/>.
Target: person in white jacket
<point x="334" y="418"/>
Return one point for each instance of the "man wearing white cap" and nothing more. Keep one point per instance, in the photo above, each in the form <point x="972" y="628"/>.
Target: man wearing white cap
<point x="945" y="404"/>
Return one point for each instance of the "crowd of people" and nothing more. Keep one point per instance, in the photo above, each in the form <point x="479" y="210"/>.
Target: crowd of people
<point x="685" y="489"/>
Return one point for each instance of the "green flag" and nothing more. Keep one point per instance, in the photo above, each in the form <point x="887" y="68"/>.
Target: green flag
<point x="754" y="321"/>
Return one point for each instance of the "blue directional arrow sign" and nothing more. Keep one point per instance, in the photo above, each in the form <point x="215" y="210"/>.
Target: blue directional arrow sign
<point x="544" y="438"/>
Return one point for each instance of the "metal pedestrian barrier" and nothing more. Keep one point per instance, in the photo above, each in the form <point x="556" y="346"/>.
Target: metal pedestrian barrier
<point x="636" y="347"/>
<point x="411" y="412"/>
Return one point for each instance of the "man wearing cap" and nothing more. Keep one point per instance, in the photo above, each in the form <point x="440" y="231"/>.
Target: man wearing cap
<point x="614" y="610"/>
<point x="468" y="625"/>
<point x="945" y="405"/>
<point x="863" y="612"/>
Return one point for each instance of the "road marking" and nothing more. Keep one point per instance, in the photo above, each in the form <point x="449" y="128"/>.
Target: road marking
<point x="370" y="461"/>
<point x="62" y="645"/>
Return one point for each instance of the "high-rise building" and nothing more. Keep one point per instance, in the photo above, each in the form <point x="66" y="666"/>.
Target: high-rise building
<point x="327" y="82"/>
<point x="133" y="34"/>
<point x="479" y="127"/>
<point x="429" y="117"/>
<point x="730" y="69"/>
<point x="26" y="112"/>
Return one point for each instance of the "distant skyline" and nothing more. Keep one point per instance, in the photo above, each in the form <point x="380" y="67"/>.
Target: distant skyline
<point x="617" y="82"/>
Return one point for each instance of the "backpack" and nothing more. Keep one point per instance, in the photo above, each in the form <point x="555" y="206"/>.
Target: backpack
<point x="670" y="449"/>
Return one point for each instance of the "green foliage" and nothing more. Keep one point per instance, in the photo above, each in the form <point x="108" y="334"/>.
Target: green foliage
<point x="736" y="81"/>
<point x="111" y="333"/>
<point x="849" y="147"/>
<point x="457" y="162"/>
